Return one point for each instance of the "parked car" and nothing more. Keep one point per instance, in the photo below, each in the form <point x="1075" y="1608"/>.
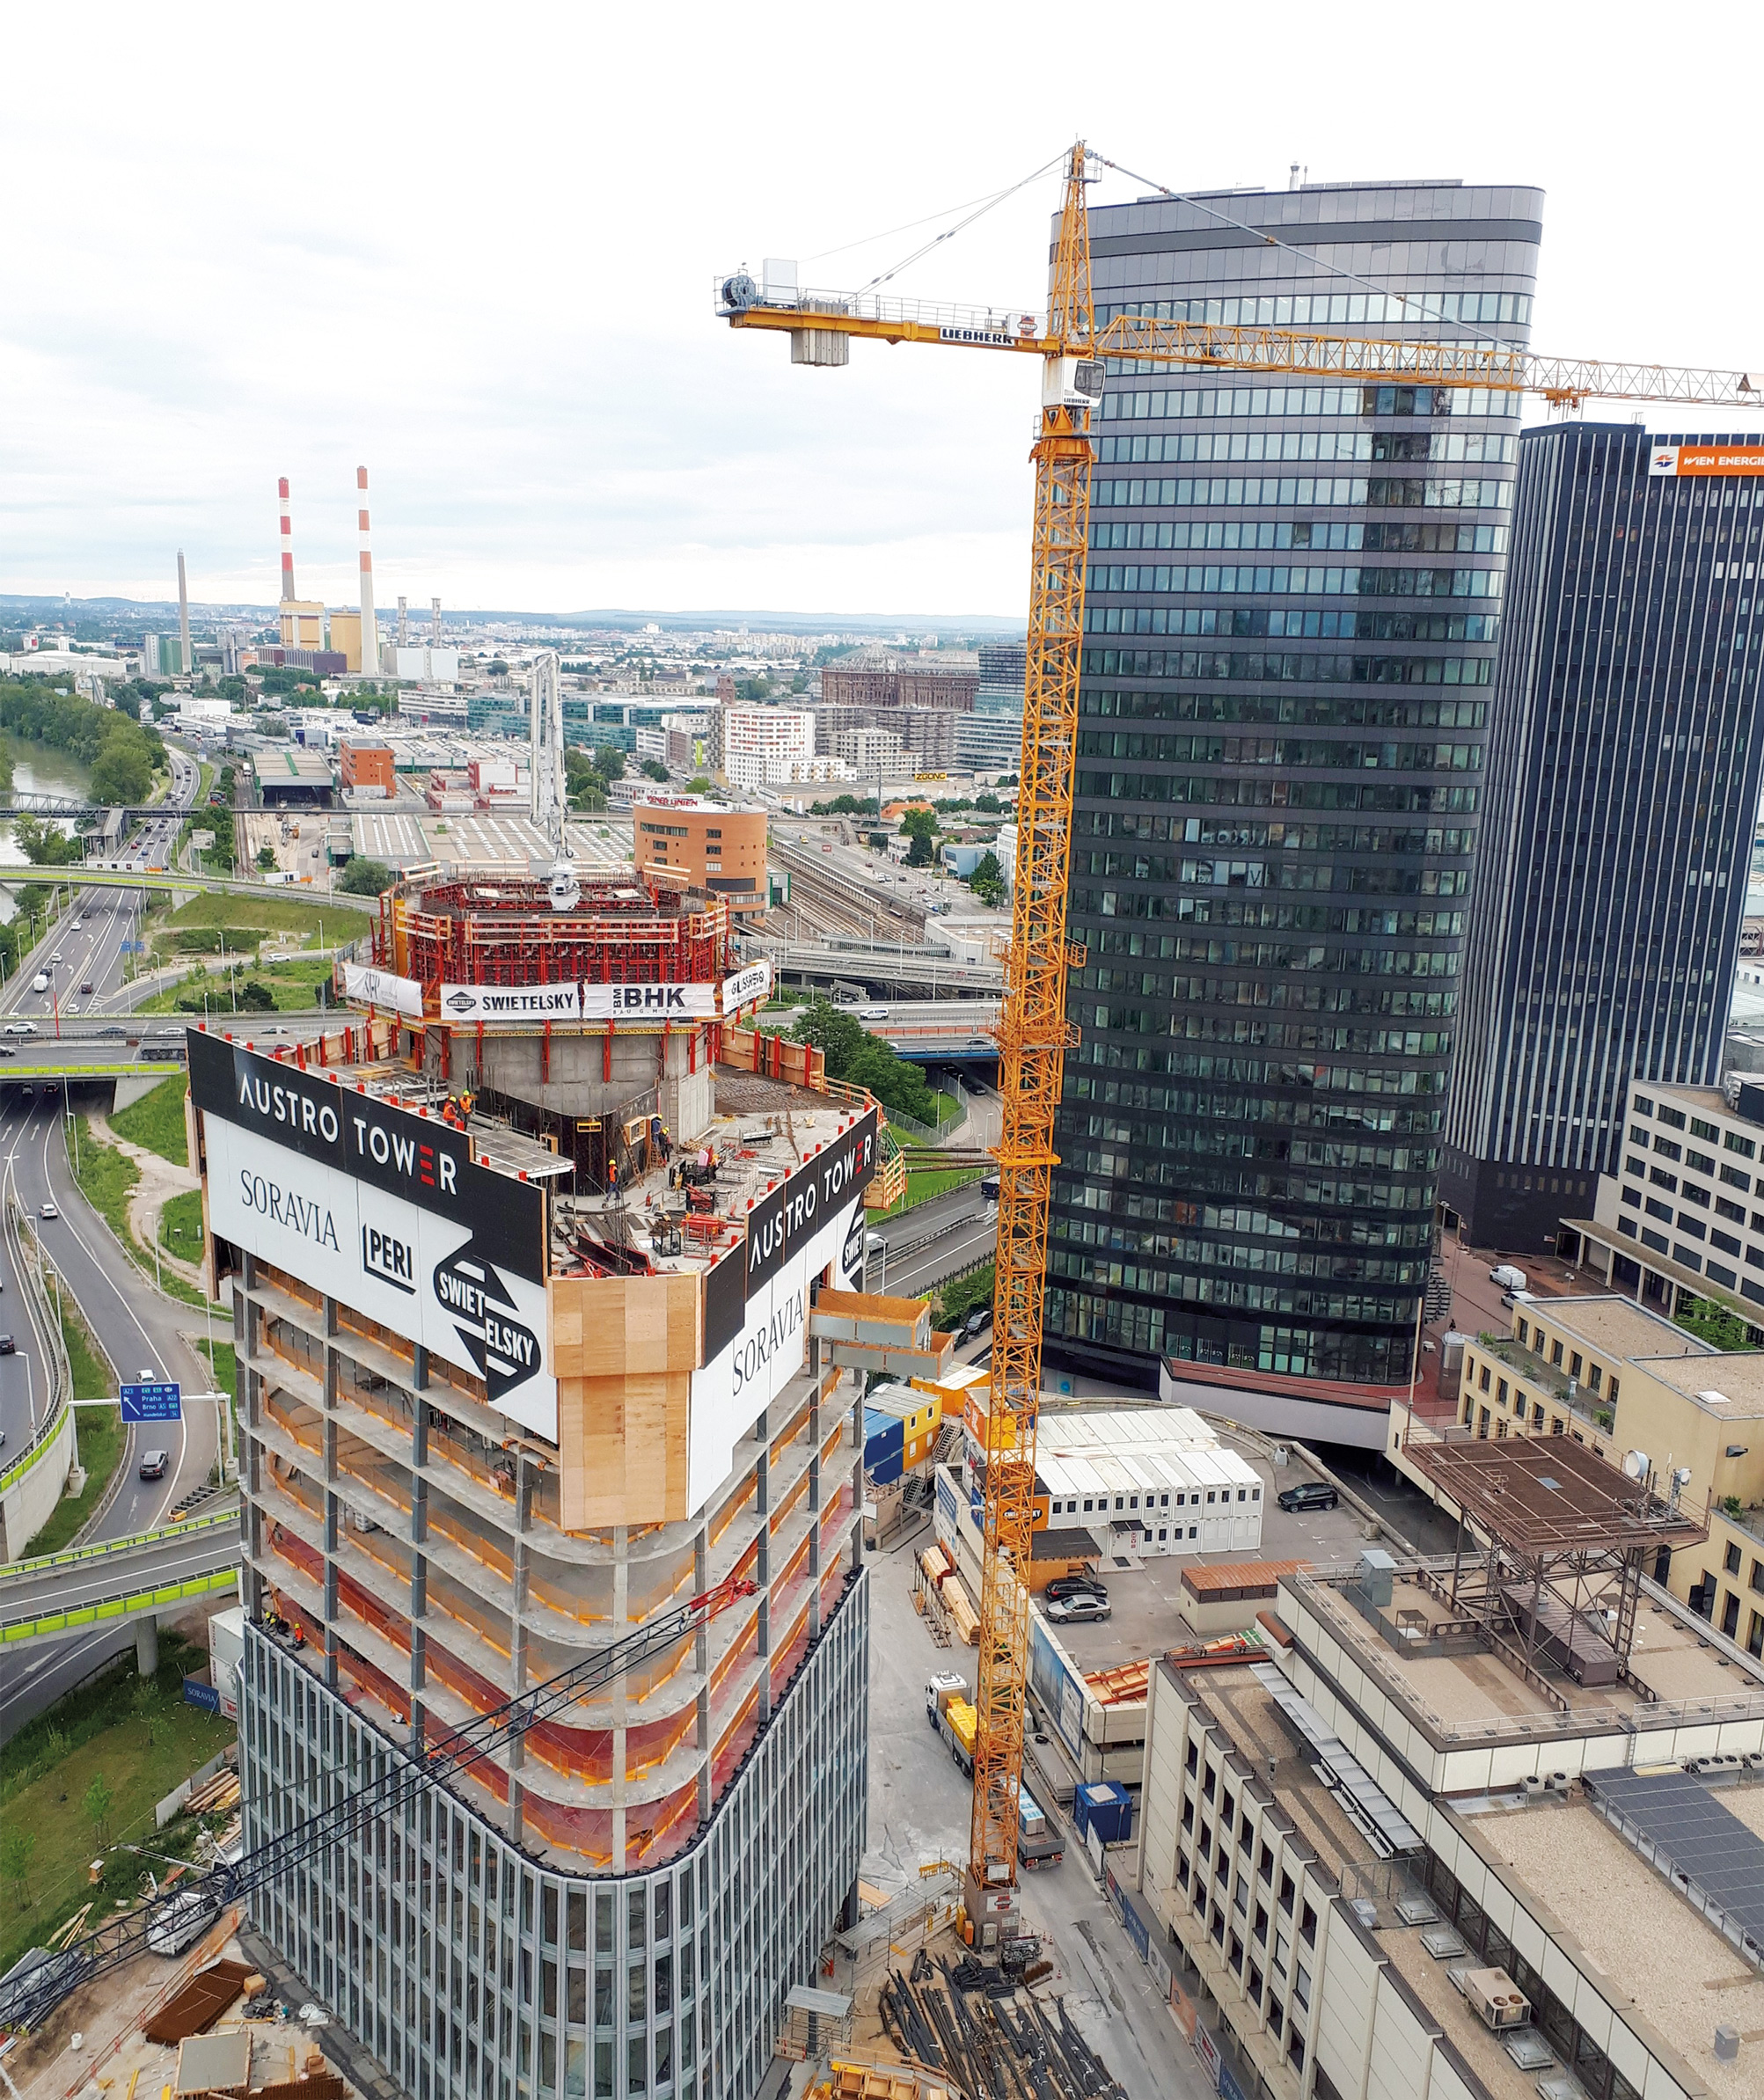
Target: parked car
<point x="1309" y="1495"/>
<point x="1082" y="1584"/>
<point x="1072" y="1611"/>
<point x="153" y="1464"/>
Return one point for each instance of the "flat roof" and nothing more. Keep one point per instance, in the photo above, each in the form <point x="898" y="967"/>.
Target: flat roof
<point x="1678" y="1971"/>
<point x="1238" y="1578"/>
<point x="1545" y="1494"/>
<point x="1615" y="1326"/>
<point x="1739" y="1376"/>
<point x="1479" y="1695"/>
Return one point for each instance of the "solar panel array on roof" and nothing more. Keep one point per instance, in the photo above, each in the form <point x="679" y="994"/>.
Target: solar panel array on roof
<point x="1362" y="1800"/>
<point x="1679" y="1823"/>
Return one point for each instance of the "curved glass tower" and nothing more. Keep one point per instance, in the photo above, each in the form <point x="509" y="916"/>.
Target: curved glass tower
<point x="1293" y="610"/>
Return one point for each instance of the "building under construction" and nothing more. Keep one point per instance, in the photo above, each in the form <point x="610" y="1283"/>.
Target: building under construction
<point x="532" y="1305"/>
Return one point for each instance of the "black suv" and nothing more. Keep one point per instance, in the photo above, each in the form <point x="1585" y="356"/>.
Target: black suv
<point x="1309" y="1495"/>
<point x="1081" y="1584"/>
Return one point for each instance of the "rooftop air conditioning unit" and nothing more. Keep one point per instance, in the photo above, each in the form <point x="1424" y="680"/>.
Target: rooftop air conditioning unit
<point x="1496" y="1998"/>
<point x="1715" y="1400"/>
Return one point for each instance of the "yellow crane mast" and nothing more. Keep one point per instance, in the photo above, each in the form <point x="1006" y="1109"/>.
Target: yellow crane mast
<point x="1033" y="1031"/>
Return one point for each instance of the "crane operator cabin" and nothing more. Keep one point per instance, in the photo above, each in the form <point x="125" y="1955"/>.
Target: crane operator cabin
<point x="524" y="1290"/>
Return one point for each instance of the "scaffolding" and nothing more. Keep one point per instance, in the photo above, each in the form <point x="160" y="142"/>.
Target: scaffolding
<point x="502" y="930"/>
<point x="1557" y="1542"/>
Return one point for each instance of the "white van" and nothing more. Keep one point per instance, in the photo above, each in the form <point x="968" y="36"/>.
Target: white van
<point x="40" y="982"/>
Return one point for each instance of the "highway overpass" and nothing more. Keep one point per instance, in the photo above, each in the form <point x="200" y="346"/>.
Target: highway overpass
<point x="122" y="1580"/>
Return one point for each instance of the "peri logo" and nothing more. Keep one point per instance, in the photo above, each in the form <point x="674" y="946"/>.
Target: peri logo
<point x="482" y="1308"/>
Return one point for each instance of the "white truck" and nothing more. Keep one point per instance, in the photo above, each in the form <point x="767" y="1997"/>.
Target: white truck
<point x="1508" y="1277"/>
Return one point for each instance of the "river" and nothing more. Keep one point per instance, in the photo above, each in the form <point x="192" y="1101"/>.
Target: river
<point x="37" y="769"/>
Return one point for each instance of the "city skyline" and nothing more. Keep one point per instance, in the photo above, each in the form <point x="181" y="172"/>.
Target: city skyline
<point x="233" y="278"/>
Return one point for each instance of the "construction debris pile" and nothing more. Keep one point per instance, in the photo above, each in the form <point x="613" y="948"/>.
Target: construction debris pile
<point x="972" y="2021"/>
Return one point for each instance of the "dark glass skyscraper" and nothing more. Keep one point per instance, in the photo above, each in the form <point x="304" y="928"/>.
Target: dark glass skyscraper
<point x="1623" y="792"/>
<point x="1293" y="602"/>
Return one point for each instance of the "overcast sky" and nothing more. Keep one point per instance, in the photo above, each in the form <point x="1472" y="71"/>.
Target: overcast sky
<point x="473" y="248"/>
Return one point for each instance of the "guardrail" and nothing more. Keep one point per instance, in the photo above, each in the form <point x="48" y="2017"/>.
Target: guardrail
<point x="52" y="1346"/>
<point x="126" y="1604"/>
<point x="137" y="1541"/>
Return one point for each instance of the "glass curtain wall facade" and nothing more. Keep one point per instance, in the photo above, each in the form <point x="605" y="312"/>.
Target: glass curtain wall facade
<point x="1293" y="607"/>
<point x="470" y="1969"/>
<point x="1623" y="780"/>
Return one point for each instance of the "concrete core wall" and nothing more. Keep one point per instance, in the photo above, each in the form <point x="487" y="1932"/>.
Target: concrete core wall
<point x="578" y="1084"/>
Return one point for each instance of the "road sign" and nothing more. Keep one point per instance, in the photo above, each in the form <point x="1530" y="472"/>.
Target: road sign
<point x="152" y="1403"/>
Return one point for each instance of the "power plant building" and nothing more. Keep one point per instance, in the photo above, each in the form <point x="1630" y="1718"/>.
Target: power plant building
<point x="1294" y="604"/>
<point x="525" y="1294"/>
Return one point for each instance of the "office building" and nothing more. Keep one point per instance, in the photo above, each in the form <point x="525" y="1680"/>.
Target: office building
<point x="990" y="742"/>
<point x="1622" y="784"/>
<point x="367" y="767"/>
<point x="1004" y="673"/>
<point x="1291" y="618"/>
<point x="762" y="744"/>
<point x="1622" y="1378"/>
<point x="1441" y="1847"/>
<point x="507" y="1394"/>
<point x="710" y="845"/>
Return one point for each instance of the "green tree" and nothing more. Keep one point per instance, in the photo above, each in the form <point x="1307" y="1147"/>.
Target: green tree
<point x="653" y="769"/>
<point x="43" y="843"/>
<point x="919" y="854"/>
<point x="365" y="878"/>
<point x="754" y="689"/>
<point x="854" y="1055"/>
<point x="266" y="859"/>
<point x="98" y="1802"/>
<point x="16" y="1847"/>
<point x="608" y="762"/>
<point x="987" y="881"/>
<point x="256" y="996"/>
<point x="701" y="783"/>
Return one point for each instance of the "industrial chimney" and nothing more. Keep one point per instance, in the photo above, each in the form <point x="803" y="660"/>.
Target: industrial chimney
<point x="184" y="661"/>
<point x="370" y="634"/>
<point x="287" y="543"/>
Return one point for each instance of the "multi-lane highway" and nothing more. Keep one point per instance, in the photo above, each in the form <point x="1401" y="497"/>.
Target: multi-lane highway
<point x="139" y="1329"/>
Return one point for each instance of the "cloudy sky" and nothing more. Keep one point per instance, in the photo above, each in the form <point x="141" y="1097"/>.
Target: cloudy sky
<point x="474" y="249"/>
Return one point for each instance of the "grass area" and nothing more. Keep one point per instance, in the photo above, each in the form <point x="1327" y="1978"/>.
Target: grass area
<point x="101" y="1433"/>
<point x="293" y="986"/>
<point x="181" y="1226"/>
<point x="107" y="1180"/>
<point x="156" y="1120"/>
<point x="246" y="919"/>
<point x="948" y="1108"/>
<point x="139" y="1740"/>
<point x="922" y="1186"/>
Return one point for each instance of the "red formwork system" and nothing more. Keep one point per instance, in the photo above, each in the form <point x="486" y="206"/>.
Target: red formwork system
<point x="492" y="929"/>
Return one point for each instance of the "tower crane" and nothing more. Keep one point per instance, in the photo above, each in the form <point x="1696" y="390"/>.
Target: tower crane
<point x="1033" y="1031"/>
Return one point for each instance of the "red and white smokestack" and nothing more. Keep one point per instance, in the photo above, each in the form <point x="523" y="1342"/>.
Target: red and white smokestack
<point x="370" y="633"/>
<point x="287" y="543"/>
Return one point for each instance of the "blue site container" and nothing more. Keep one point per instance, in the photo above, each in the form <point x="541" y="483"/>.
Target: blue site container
<point x="1106" y="1807"/>
<point x="885" y="1471"/>
<point x="884" y="1438"/>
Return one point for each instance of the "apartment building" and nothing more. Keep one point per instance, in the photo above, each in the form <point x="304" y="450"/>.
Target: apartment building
<point x="760" y="744"/>
<point x="1411" y="1854"/>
